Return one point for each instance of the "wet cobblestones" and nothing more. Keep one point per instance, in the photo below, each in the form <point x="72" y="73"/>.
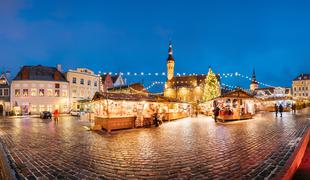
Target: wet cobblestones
<point x="191" y="148"/>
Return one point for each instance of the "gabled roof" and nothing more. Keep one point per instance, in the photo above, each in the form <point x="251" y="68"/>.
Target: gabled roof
<point x="104" y="77"/>
<point x="302" y="77"/>
<point x="5" y="81"/>
<point x="39" y="72"/>
<point x="114" y="78"/>
<point x="237" y="93"/>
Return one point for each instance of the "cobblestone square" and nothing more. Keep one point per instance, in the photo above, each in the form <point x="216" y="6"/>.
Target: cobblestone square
<point x="190" y="148"/>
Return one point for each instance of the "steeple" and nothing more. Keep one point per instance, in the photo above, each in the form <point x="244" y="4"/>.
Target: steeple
<point x="170" y="63"/>
<point x="254" y="78"/>
<point x="170" y="53"/>
<point x="254" y="83"/>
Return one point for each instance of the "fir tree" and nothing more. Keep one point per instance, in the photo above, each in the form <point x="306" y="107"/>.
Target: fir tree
<point x="211" y="89"/>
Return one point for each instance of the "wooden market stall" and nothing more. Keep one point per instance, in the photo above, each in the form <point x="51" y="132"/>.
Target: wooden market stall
<point x="129" y="110"/>
<point x="235" y="105"/>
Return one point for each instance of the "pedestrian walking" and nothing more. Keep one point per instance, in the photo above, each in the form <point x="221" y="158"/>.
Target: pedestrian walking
<point x="294" y="108"/>
<point x="276" y="109"/>
<point x="216" y="113"/>
<point x="156" y="121"/>
<point x="56" y="115"/>
<point x="281" y="109"/>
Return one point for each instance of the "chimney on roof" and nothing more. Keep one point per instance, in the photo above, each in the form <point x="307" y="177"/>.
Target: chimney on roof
<point x="59" y="67"/>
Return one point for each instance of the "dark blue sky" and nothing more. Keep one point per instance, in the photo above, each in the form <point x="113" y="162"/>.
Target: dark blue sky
<point x="272" y="36"/>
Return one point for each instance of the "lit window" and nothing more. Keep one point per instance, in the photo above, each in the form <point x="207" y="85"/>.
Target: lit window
<point x="41" y="108"/>
<point x="57" y="92"/>
<point x="82" y="81"/>
<point x="64" y="93"/>
<point x="41" y="92"/>
<point x="49" y="92"/>
<point x="74" y="80"/>
<point x="33" y="108"/>
<point x="6" y="92"/>
<point x="88" y="82"/>
<point x="25" y="92"/>
<point x="95" y="83"/>
<point x="33" y="92"/>
<point x="57" y="85"/>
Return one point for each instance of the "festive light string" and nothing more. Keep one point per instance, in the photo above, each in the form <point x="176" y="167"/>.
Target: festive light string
<point x="224" y="86"/>
<point x="222" y="75"/>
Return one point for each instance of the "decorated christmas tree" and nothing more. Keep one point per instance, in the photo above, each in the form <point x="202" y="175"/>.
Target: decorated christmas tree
<point x="212" y="87"/>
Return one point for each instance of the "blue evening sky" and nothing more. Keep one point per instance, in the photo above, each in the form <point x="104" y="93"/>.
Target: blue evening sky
<point x="119" y="35"/>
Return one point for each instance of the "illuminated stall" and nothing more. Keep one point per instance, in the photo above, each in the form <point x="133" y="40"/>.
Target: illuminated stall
<point x="129" y="110"/>
<point x="235" y="105"/>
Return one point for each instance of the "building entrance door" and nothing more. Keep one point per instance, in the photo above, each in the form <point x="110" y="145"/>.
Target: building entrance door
<point x="1" y="109"/>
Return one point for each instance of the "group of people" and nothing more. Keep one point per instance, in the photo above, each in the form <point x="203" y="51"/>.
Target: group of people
<point x="153" y="117"/>
<point x="278" y="109"/>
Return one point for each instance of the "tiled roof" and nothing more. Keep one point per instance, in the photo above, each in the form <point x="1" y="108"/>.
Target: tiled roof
<point x="39" y="72"/>
<point x="302" y="77"/>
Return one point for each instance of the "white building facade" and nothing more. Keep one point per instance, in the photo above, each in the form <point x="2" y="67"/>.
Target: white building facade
<point x="39" y="88"/>
<point x="83" y="83"/>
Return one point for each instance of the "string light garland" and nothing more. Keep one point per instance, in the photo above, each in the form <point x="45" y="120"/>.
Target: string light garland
<point x="157" y="74"/>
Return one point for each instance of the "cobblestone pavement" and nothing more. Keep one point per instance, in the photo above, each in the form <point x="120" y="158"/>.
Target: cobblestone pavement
<point x="191" y="148"/>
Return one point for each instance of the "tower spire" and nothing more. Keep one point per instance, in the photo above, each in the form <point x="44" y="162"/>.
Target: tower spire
<point x="254" y="83"/>
<point x="254" y="76"/>
<point x="170" y="52"/>
<point x="170" y="63"/>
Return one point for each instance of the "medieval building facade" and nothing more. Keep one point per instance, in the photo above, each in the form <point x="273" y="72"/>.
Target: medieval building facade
<point x="188" y="88"/>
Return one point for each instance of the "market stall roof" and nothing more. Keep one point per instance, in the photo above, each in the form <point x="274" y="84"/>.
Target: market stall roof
<point x="132" y="97"/>
<point x="237" y="93"/>
<point x="132" y="87"/>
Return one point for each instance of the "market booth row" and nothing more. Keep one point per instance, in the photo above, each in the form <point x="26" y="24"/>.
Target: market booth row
<point x="129" y="110"/>
<point x="234" y="105"/>
<point x="268" y="104"/>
